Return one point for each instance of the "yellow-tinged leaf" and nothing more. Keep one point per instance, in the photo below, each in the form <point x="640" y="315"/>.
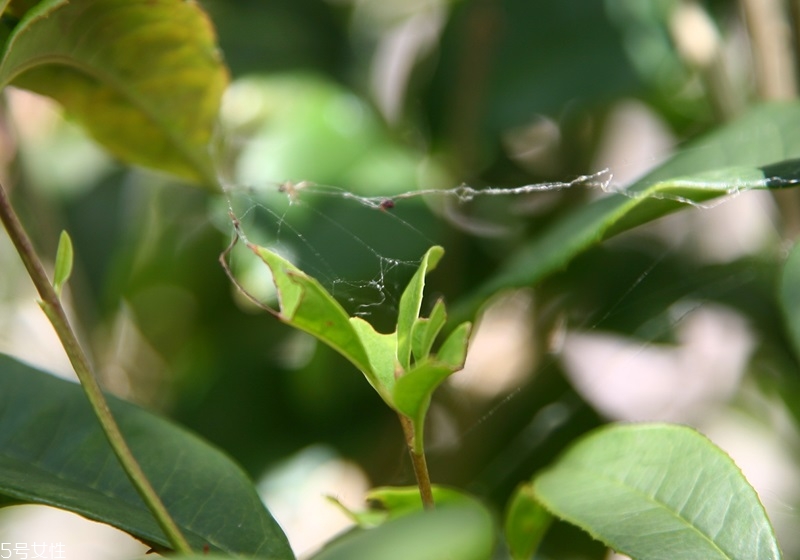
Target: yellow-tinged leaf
<point x="145" y="77"/>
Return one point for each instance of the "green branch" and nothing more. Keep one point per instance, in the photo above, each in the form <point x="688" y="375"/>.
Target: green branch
<point x="51" y="305"/>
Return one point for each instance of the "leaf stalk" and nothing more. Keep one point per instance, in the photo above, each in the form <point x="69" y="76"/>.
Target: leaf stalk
<point x="52" y="307"/>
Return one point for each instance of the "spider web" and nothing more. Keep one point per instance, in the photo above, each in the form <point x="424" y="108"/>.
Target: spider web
<point x="363" y="249"/>
<point x="361" y="253"/>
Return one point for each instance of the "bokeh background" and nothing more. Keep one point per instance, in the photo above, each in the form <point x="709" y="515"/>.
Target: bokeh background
<point x="675" y="321"/>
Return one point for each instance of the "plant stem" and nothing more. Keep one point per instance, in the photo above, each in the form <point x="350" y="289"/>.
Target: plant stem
<point x="419" y="463"/>
<point x="51" y="305"/>
<point x="770" y="40"/>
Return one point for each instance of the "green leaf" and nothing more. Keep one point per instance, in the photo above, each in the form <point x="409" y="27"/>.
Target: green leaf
<point x="364" y="519"/>
<point x="410" y="303"/>
<point x="463" y="532"/>
<point x="64" y="258"/>
<point x="391" y="502"/>
<point x="145" y="78"/>
<point x="306" y="305"/>
<point x="757" y="151"/>
<point x="381" y="352"/>
<point x="53" y="452"/>
<point x="656" y="491"/>
<point x="454" y="349"/>
<point x="397" y="501"/>
<point x="6" y="501"/>
<point x="526" y="523"/>
<point x="425" y="331"/>
<point x="413" y="391"/>
<point x="790" y="295"/>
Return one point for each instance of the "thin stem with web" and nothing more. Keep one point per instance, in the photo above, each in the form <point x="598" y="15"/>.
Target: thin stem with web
<point x="52" y="307"/>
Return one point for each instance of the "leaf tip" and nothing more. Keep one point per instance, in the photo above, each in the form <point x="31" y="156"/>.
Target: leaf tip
<point x="433" y="256"/>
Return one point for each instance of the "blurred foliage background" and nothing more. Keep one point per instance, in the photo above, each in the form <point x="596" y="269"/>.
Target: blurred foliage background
<point x="381" y="97"/>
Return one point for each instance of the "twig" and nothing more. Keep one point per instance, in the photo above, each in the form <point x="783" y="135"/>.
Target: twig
<point x="223" y="261"/>
<point x="51" y="305"/>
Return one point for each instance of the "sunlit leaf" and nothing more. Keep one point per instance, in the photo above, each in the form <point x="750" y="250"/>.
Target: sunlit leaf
<point x="381" y="351"/>
<point x="390" y="502"/>
<point x="656" y="491"/>
<point x="306" y="305"/>
<point x="398" y="501"/>
<point x="53" y="452"/>
<point x="410" y="303"/>
<point x="144" y="77"/>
